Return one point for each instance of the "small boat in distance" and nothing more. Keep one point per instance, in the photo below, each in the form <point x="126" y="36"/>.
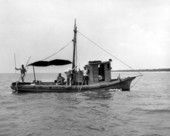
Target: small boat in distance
<point x="99" y="75"/>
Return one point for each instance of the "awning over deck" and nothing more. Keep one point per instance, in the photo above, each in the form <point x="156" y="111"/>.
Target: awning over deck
<point x="56" y="62"/>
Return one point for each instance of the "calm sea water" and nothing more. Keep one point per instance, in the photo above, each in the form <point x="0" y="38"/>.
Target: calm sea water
<point x="144" y="111"/>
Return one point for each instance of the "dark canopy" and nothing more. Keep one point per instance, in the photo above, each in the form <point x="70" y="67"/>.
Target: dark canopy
<point x="49" y="63"/>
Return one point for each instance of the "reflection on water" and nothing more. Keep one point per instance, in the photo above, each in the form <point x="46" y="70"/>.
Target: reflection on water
<point x="98" y="95"/>
<point x="145" y="111"/>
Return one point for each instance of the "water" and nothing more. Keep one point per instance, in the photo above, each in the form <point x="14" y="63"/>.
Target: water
<point x="144" y="111"/>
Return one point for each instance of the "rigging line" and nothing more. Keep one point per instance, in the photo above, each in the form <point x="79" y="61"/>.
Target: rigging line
<point x="136" y="82"/>
<point x="57" y="51"/>
<point x="82" y="85"/>
<point x="108" y="52"/>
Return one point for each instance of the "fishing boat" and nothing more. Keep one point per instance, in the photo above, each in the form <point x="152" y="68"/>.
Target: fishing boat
<point x="99" y="76"/>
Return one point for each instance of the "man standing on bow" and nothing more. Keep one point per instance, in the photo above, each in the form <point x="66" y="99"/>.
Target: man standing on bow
<point x="23" y="71"/>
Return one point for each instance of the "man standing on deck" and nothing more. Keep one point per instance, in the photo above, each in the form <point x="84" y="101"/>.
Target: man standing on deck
<point x="85" y="76"/>
<point x="23" y="71"/>
<point x="68" y="75"/>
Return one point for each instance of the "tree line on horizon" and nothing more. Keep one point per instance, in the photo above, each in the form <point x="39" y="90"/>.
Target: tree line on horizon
<point x="143" y="70"/>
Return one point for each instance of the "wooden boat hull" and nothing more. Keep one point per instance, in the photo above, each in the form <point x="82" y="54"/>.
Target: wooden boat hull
<point x="27" y="87"/>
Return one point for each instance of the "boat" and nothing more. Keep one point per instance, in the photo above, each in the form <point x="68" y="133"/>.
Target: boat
<point x="99" y="74"/>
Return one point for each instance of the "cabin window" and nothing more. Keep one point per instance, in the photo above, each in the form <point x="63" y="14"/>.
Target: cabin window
<point x="108" y="66"/>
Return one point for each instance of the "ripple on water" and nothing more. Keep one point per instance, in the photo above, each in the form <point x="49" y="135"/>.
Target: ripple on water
<point x="142" y="112"/>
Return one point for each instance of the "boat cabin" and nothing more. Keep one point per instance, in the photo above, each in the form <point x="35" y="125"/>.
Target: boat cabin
<point x="98" y="71"/>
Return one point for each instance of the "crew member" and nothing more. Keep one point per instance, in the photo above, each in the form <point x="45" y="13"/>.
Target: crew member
<point x="60" y="79"/>
<point x="68" y="74"/>
<point x="23" y="71"/>
<point x="85" y="76"/>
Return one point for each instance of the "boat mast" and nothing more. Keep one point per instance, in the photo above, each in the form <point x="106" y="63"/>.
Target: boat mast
<point x="74" y="46"/>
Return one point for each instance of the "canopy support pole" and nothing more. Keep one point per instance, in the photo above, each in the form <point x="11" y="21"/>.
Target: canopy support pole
<point x="34" y="74"/>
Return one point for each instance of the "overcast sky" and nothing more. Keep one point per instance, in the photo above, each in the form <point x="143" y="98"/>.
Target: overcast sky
<point x="135" y="31"/>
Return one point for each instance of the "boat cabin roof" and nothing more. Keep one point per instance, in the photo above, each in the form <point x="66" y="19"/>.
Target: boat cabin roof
<point x="97" y="62"/>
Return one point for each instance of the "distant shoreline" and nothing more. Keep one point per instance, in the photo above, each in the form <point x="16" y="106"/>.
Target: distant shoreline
<point x="135" y="70"/>
<point x="144" y="70"/>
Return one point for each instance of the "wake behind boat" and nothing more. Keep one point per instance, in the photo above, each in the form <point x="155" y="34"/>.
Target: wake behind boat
<point x="98" y="76"/>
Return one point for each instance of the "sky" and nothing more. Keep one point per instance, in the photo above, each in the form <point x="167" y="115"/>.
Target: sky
<point x="135" y="31"/>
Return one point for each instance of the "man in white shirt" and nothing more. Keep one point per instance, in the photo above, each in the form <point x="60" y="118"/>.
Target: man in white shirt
<point x="85" y="76"/>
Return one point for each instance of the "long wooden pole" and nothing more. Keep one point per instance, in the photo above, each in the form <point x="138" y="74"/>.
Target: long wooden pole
<point x="34" y="73"/>
<point x="15" y="61"/>
<point x="26" y="66"/>
<point x="27" y="61"/>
